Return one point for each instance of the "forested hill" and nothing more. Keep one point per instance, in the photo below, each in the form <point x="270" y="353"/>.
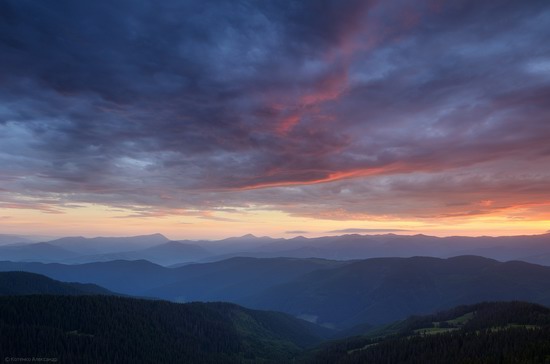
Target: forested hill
<point x="501" y="332"/>
<point x="24" y="283"/>
<point x="110" y="329"/>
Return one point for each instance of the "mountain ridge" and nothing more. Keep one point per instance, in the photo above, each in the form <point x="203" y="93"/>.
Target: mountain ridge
<point x="331" y="293"/>
<point x="530" y="248"/>
<point x="25" y="283"/>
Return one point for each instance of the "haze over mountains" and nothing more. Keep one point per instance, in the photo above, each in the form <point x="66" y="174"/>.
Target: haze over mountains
<point x="236" y="276"/>
<point x="332" y="293"/>
<point x="336" y="281"/>
<point x="381" y="290"/>
<point x="13" y="239"/>
<point x="370" y="281"/>
<point x="159" y="249"/>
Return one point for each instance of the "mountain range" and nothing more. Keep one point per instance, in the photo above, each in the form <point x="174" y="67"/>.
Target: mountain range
<point x="335" y="294"/>
<point x="155" y="248"/>
<point x="381" y="290"/>
<point x="161" y="250"/>
<point x="208" y="281"/>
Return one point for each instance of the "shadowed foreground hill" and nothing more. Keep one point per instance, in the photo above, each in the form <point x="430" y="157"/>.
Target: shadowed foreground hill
<point x="499" y="332"/>
<point x="24" y="283"/>
<point x="108" y="329"/>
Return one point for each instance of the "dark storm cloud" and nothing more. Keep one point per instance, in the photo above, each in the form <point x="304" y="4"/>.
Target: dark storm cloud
<point x="193" y="104"/>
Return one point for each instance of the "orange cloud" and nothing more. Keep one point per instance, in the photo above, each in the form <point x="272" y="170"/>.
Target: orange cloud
<point x="330" y="177"/>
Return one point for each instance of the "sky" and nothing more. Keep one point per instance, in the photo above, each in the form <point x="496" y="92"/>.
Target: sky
<point x="208" y="119"/>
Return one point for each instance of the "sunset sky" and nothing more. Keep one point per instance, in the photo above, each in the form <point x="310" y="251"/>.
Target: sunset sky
<point x="208" y="119"/>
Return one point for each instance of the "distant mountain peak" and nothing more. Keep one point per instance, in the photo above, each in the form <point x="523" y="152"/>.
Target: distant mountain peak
<point x="154" y="235"/>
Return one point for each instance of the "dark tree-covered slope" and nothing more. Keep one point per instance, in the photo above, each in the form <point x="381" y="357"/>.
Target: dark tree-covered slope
<point x="501" y="332"/>
<point x="25" y="283"/>
<point x="109" y="329"/>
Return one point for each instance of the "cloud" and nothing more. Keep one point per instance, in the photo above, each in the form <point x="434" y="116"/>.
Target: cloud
<point x="208" y="216"/>
<point x="296" y="232"/>
<point x="325" y="109"/>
